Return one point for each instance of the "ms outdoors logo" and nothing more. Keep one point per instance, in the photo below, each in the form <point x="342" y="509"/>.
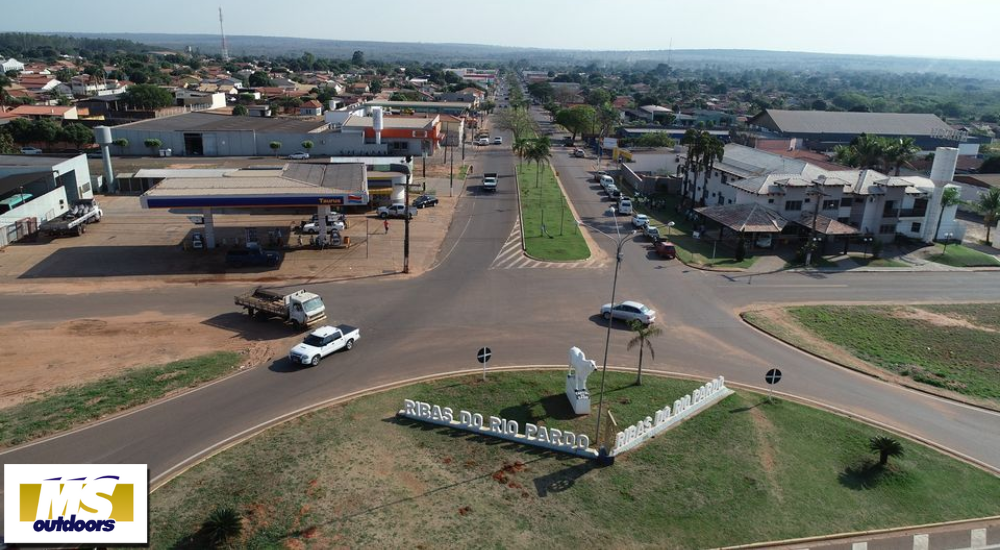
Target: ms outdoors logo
<point x="75" y="503"/>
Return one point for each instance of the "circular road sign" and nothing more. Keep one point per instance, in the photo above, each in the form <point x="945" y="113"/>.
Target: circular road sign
<point x="484" y="355"/>
<point x="773" y="376"/>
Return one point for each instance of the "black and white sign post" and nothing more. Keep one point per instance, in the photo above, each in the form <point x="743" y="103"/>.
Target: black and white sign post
<point x="772" y="377"/>
<point x="484" y="356"/>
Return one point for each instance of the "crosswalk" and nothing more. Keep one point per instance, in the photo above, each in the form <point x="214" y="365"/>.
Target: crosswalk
<point x="512" y="257"/>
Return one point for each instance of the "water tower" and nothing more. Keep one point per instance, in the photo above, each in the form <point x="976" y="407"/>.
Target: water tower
<point x="102" y="135"/>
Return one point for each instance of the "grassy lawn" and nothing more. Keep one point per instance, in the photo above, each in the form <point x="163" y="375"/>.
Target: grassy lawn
<point x="546" y="204"/>
<point x="689" y="249"/>
<point x="740" y="472"/>
<point x="961" y="256"/>
<point x="66" y="408"/>
<point x="961" y="358"/>
<point x="878" y="262"/>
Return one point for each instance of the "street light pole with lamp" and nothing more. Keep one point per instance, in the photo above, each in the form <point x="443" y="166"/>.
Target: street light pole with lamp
<point x="619" y="243"/>
<point x="867" y="241"/>
<point x="947" y="240"/>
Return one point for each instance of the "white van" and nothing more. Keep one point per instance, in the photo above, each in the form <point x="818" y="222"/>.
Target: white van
<point x="625" y="206"/>
<point x="606" y="181"/>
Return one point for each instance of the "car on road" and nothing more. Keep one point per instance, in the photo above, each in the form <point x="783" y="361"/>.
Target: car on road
<point x="425" y="200"/>
<point x="665" y="250"/>
<point x="485" y="140"/>
<point x="651" y="231"/>
<point x="252" y="257"/>
<point x="498" y="140"/>
<point x="322" y="342"/>
<point x="625" y="206"/>
<point x="600" y="174"/>
<point x="31" y="151"/>
<point x="640" y="220"/>
<point x="299" y="155"/>
<point x="579" y="153"/>
<point x="398" y="210"/>
<point x="628" y="311"/>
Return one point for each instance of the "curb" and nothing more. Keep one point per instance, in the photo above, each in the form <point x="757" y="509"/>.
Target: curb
<point x="217" y="448"/>
<point x="873" y="375"/>
<point x="855" y="534"/>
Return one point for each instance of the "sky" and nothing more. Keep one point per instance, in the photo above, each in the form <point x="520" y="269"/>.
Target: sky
<point x="916" y="28"/>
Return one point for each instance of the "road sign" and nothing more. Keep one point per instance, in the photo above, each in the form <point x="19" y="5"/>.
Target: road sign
<point x="483" y="356"/>
<point x="773" y="376"/>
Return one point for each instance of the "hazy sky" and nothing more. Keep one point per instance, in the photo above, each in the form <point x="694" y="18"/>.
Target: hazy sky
<point x="923" y="28"/>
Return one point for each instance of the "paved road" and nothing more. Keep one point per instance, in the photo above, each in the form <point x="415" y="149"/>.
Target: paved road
<point x="434" y="323"/>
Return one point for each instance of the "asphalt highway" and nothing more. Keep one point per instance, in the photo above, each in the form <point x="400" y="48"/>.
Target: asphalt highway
<point x="434" y="323"/>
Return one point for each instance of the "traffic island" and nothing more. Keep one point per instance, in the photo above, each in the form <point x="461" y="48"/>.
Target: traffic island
<point x="745" y="470"/>
<point x="949" y="350"/>
<point x="549" y="227"/>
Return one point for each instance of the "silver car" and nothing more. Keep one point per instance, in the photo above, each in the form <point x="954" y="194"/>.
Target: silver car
<point x="629" y="311"/>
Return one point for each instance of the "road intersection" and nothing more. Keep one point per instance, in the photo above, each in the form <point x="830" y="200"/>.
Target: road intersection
<point x="434" y="323"/>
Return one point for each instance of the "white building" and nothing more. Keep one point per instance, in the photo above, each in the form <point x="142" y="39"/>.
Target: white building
<point x="12" y="65"/>
<point x="36" y="189"/>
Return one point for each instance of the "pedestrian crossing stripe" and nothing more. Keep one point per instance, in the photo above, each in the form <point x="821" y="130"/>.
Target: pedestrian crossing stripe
<point x="511" y="256"/>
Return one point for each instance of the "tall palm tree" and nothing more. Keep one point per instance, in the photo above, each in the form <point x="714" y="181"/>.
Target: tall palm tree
<point x="988" y="205"/>
<point x="541" y="152"/>
<point x="713" y="150"/>
<point x="950" y="197"/>
<point x="643" y="334"/>
<point x="846" y="155"/>
<point x="900" y="152"/>
<point x="870" y="151"/>
<point x="695" y="141"/>
<point x="520" y="148"/>
<point x="885" y="447"/>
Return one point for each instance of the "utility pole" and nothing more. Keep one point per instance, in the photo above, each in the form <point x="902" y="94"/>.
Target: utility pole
<point x="812" y="233"/>
<point x="406" y="225"/>
<point x="451" y="175"/>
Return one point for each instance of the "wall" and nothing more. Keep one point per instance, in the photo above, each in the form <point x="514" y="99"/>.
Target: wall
<point x="249" y="143"/>
<point x="43" y="208"/>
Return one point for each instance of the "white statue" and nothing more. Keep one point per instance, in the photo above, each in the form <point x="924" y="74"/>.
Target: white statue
<point x="576" y="380"/>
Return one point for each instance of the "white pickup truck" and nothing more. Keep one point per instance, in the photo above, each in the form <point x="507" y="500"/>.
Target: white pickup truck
<point x="398" y="210"/>
<point x="322" y="342"/>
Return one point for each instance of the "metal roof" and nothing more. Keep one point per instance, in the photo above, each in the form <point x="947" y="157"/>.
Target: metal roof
<point x="826" y="122"/>
<point x="20" y="161"/>
<point x="163" y="173"/>
<point x="207" y="122"/>
<point x="421" y="104"/>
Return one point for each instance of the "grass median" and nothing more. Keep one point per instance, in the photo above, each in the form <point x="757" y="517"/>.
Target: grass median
<point x="550" y="230"/>
<point x="65" y="408"/>
<point x="949" y="347"/>
<point x="742" y="471"/>
<point x="957" y="255"/>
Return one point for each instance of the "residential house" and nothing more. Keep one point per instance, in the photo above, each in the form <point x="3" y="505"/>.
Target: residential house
<point x="311" y="108"/>
<point x="37" y="112"/>
<point x="40" y="84"/>
<point x="259" y="110"/>
<point x="85" y="85"/>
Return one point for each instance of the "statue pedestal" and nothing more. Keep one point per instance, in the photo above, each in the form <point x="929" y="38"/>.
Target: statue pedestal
<point x="578" y="399"/>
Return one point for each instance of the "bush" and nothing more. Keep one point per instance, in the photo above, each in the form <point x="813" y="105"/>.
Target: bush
<point x="877" y="248"/>
<point x="223" y="525"/>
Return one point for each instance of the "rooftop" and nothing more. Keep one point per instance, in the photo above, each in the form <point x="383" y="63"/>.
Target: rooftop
<point x="826" y="122"/>
<point x="20" y="161"/>
<point x="391" y="122"/>
<point x="421" y="104"/>
<point x="206" y="122"/>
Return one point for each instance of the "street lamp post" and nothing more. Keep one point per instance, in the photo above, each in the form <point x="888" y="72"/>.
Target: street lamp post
<point x="669" y="226"/>
<point x="947" y="240"/>
<point x="867" y="241"/>
<point x="619" y="243"/>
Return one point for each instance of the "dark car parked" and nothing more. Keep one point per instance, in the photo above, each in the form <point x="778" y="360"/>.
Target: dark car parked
<point x="425" y="200"/>
<point x="252" y="257"/>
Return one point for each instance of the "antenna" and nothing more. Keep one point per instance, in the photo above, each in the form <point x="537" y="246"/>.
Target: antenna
<point x="670" y="50"/>
<point x="225" y="47"/>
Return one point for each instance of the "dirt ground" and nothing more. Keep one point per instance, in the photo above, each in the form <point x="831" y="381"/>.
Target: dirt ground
<point x="89" y="349"/>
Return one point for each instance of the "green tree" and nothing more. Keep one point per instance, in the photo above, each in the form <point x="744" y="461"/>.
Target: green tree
<point x="222" y="526"/>
<point x="7" y="146"/>
<point x="241" y="110"/>
<point x="307" y="145"/>
<point x="713" y="150"/>
<point x="991" y="165"/>
<point x="122" y="143"/>
<point x="259" y="79"/>
<point x="988" y="204"/>
<point x="598" y="96"/>
<point x="358" y="59"/>
<point x="885" y="447"/>
<point x="520" y="148"/>
<point x="153" y="143"/>
<point x="577" y="120"/>
<point x="148" y="97"/>
<point x="642" y="338"/>
<point x="655" y="139"/>
<point x="275" y="145"/>
<point x="46" y="131"/>
<point x="375" y="86"/>
<point x="539" y="152"/>
<point x="950" y="197"/>
<point x="77" y="134"/>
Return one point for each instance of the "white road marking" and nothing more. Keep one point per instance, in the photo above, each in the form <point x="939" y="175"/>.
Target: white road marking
<point x="512" y="257"/>
<point x="921" y="542"/>
<point x="979" y="538"/>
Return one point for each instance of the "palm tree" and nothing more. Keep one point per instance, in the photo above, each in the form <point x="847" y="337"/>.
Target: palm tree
<point x="223" y="525"/>
<point x="950" y="197"/>
<point x="643" y="334"/>
<point x="712" y="150"/>
<point x="988" y="205"/>
<point x="885" y="447"/>
<point x="902" y="151"/>
<point x="520" y="148"/>
<point x="695" y="141"/>
<point x="870" y="151"/>
<point x="846" y="155"/>
<point x="540" y="152"/>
